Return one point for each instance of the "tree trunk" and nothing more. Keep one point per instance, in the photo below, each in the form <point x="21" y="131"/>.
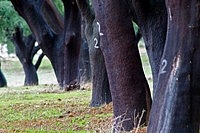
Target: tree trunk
<point x="100" y="85"/>
<point x="176" y="103"/>
<point x="60" y="43"/>
<point x="25" y="51"/>
<point x="3" y="81"/>
<point x="72" y="43"/>
<point x="127" y="81"/>
<point x="84" y="62"/>
<point x="31" y="77"/>
<point x="151" y="17"/>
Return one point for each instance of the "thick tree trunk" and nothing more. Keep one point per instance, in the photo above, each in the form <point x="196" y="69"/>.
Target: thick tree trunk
<point x="127" y="81"/>
<point x="72" y="43"/>
<point x="31" y="77"/>
<point x="25" y="51"/>
<point x="60" y="45"/>
<point x="100" y="85"/>
<point x="176" y="103"/>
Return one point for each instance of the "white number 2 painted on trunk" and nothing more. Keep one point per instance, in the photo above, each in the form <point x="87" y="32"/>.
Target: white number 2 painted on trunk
<point x="99" y="27"/>
<point x="164" y="65"/>
<point x="96" y="43"/>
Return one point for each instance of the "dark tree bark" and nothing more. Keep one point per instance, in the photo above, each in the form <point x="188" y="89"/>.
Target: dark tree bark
<point x="25" y="50"/>
<point x="72" y="42"/>
<point x="151" y="17"/>
<point x="100" y="85"/>
<point x="177" y="97"/>
<point x="128" y="85"/>
<point x="60" y="43"/>
<point x="84" y="62"/>
<point x="3" y="82"/>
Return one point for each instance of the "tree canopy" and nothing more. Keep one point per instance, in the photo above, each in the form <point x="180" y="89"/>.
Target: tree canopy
<point x="9" y="19"/>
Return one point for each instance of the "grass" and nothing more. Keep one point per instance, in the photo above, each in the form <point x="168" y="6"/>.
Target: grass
<point x="146" y="65"/>
<point x="14" y="74"/>
<point x="51" y="112"/>
<point x="45" y="108"/>
<point x="13" y="65"/>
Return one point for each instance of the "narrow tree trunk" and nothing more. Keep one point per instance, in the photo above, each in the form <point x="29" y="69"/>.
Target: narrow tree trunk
<point x="3" y="81"/>
<point x="25" y="51"/>
<point x="84" y="62"/>
<point x="100" y="85"/>
<point x="176" y="103"/>
<point x="127" y="81"/>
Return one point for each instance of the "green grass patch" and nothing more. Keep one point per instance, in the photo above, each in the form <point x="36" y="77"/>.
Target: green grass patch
<point x="24" y="110"/>
<point x="11" y="66"/>
<point x="14" y="65"/>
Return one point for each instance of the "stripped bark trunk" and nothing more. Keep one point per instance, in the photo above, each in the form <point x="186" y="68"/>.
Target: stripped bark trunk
<point x="151" y="17"/>
<point x="176" y="103"/>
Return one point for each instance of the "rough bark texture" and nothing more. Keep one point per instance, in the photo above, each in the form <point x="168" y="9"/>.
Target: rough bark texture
<point x="60" y="43"/>
<point x="84" y="62"/>
<point x="100" y="85"/>
<point x="72" y="42"/>
<point x="151" y="17"/>
<point x="127" y="81"/>
<point x="176" y="103"/>
<point x="25" y="50"/>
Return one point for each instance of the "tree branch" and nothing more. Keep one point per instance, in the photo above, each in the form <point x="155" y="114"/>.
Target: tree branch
<point x="34" y="18"/>
<point x="35" y="50"/>
<point x="86" y="11"/>
<point x="18" y="38"/>
<point x="37" y="64"/>
<point x="53" y="16"/>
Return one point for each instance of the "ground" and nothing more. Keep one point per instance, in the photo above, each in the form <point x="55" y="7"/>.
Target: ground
<point x="45" y="108"/>
<point x="14" y="74"/>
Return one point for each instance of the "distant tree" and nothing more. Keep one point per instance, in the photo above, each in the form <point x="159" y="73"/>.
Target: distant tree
<point x="59" y="37"/>
<point x="25" y="51"/>
<point x="9" y="19"/>
<point x="59" y="5"/>
<point x="3" y="81"/>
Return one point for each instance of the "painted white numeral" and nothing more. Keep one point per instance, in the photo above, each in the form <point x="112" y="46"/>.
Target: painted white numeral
<point x="164" y="65"/>
<point x="99" y="27"/>
<point x="96" y="43"/>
